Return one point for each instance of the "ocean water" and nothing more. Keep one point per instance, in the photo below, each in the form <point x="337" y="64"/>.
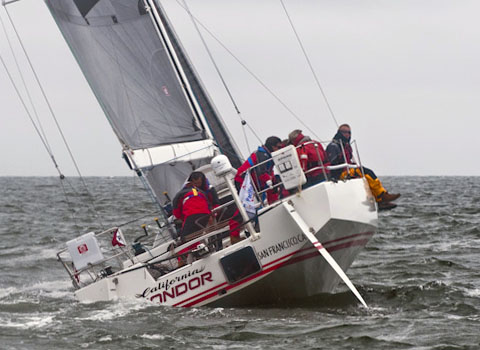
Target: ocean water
<point x="420" y="276"/>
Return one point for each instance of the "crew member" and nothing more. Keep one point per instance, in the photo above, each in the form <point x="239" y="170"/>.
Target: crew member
<point x="262" y="176"/>
<point x="339" y="151"/>
<point x="311" y="155"/>
<point x="193" y="205"/>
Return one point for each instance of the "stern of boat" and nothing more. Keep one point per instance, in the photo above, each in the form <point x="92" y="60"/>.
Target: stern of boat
<point x="343" y="216"/>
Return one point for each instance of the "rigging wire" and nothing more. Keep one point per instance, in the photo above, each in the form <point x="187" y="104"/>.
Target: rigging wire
<point x="39" y="128"/>
<point x="227" y="89"/>
<point x="44" y="140"/>
<point x="43" y="93"/>
<point x="31" y="118"/>
<point x="41" y="133"/>
<point x="310" y="64"/>
<point x="283" y="104"/>
<point x="245" y="135"/>
<point x="55" y="164"/>
<point x="32" y="105"/>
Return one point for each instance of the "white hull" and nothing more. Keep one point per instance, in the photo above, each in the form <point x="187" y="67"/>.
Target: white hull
<point x="304" y="274"/>
<point x="343" y="216"/>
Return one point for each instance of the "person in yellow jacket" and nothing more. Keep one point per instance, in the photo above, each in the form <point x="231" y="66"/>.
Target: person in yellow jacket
<point x="339" y="151"/>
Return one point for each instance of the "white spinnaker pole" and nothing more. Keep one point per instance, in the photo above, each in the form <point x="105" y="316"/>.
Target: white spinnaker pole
<point x="307" y="232"/>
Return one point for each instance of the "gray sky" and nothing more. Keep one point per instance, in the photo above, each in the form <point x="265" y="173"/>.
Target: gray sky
<point x="404" y="74"/>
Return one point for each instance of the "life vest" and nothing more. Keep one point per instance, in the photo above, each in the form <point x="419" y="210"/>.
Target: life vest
<point x="261" y="174"/>
<point x="193" y="193"/>
<point x="190" y="200"/>
<point x="307" y="154"/>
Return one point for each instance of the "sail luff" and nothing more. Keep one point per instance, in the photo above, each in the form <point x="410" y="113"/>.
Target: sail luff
<point x="216" y="125"/>
<point x="161" y="31"/>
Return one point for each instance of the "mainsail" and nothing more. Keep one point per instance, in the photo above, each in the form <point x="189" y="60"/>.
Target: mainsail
<point x="146" y="86"/>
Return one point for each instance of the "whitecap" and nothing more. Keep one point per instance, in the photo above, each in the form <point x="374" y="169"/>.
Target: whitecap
<point x="117" y="309"/>
<point x="473" y="292"/>
<point x="377" y="310"/>
<point x="51" y="286"/>
<point x="57" y="289"/>
<point x="106" y="338"/>
<point x="29" y="322"/>
<point x="5" y="292"/>
<point x="153" y="336"/>
<point x="47" y="254"/>
<point x="217" y="311"/>
<point x="453" y="317"/>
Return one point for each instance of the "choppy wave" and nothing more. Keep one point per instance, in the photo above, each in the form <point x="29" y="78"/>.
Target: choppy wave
<point x="420" y="276"/>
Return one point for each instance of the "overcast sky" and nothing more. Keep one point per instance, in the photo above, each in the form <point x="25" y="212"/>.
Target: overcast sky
<point x="404" y="75"/>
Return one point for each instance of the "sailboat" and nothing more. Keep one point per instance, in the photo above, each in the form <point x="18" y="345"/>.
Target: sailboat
<point x="168" y="127"/>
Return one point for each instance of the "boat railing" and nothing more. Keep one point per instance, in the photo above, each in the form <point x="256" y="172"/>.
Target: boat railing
<point x="125" y="255"/>
<point x="221" y="211"/>
<point x="324" y="166"/>
<point x="327" y="167"/>
<point x="206" y="236"/>
<point x="132" y="249"/>
<point x="113" y="258"/>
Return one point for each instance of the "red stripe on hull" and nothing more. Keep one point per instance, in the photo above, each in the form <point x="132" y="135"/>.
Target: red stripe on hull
<point x="212" y="292"/>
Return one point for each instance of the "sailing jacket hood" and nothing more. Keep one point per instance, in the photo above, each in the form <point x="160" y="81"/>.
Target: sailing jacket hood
<point x="340" y="138"/>
<point x="300" y="139"/>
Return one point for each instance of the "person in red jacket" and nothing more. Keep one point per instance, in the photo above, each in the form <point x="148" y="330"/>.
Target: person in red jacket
<point x="309" y="157"/>
<point x="193" y="204"/>
<point x="262" y="176"/>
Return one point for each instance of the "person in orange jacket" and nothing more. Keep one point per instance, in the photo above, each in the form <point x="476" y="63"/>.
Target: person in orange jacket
<point x="340" y="151"/>
<point x="311" y="155"/>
